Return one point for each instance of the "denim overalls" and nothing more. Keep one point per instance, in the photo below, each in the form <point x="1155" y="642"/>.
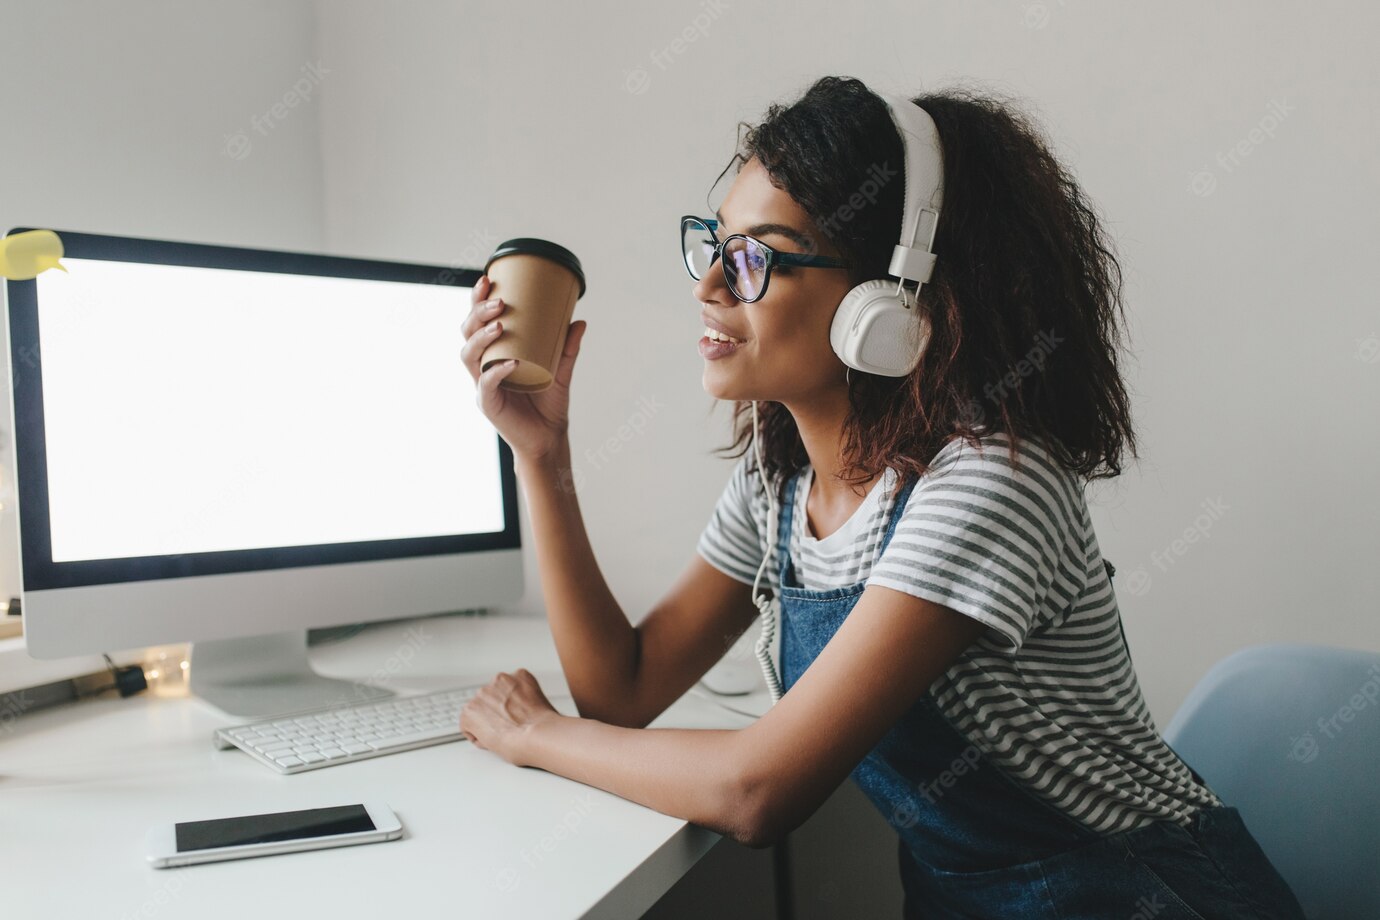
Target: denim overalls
<point x="975" y="844"/>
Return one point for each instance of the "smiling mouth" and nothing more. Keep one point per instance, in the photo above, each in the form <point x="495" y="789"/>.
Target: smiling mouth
<point x="716" y="336"/>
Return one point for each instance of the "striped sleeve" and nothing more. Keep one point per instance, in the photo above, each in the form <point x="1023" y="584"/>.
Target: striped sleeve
<point x="999" y="544"/>
<point x="734" y="540"/>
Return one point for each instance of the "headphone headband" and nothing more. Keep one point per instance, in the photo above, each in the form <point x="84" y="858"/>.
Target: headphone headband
<point x="912" y="259"/>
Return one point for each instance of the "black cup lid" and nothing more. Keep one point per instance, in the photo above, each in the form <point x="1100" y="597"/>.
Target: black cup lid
<point x="528" y="245"/>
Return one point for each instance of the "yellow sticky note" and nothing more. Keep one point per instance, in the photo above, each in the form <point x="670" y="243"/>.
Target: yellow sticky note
<point x="27" y="255"/>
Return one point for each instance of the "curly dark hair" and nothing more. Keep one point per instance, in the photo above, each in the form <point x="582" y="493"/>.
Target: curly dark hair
<point x="1025" y="276"/>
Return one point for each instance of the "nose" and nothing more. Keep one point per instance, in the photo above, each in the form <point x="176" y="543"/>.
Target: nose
<point x="712" y="288"/>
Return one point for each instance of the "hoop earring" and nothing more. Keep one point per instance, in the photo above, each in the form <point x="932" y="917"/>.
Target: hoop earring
<point x="847" y="376"/>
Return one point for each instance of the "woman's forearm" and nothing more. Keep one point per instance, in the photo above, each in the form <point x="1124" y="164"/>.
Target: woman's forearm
<point x="596" y="644"/>
<point x="686" y="773"/>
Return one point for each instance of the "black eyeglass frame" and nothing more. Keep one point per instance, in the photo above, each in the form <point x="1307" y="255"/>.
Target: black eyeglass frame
<point x="774" y="257"/>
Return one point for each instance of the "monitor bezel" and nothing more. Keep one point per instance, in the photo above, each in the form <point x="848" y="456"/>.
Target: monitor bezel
<point x="40" y="572"/>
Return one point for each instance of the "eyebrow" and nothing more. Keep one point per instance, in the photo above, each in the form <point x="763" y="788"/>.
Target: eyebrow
<point x="789" y="233"/>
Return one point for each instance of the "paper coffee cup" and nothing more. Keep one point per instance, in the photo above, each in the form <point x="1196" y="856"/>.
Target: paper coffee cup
<point x="539" y="283"/>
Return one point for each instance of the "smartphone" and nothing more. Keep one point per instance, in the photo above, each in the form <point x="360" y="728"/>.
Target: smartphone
<point x="263" y="835"/>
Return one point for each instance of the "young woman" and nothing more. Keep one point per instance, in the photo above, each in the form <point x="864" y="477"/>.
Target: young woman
<point x="949" y="633"/>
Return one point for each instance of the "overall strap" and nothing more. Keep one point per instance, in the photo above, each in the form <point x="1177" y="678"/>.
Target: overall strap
<point x="783" y="529"/>
<point x="897" y="509"/>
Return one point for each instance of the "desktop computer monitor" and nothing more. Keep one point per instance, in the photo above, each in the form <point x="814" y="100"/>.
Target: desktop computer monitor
<point x="229" y="446"/>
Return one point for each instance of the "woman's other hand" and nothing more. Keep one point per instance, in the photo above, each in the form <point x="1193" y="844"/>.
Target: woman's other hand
<point x="504" y="712"/>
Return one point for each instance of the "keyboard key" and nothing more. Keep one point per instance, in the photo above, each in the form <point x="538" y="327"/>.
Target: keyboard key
<point x="310" y="757"/>
<point x="287" y="761"/>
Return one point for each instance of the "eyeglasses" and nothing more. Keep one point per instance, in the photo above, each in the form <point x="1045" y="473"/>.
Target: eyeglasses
<point x="747" y="262"/>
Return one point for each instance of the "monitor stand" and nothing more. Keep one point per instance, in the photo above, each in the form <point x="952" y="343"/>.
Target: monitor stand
<point x="263" y="676"/>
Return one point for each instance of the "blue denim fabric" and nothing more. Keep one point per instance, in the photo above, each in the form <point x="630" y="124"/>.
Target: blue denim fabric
<point x="973" y="843"/>
<point x="1211" y="870"/>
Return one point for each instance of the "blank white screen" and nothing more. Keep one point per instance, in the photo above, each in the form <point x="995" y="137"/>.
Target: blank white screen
<point x="196" y="410"/>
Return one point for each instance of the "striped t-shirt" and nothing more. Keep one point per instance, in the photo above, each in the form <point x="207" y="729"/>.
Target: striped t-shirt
<point x="1048" y="692"/>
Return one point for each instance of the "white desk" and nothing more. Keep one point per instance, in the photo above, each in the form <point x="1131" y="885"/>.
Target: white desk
<point x="80" y="784"/>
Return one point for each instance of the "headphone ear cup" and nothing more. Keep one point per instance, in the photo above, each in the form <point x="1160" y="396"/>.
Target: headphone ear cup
<point x="878" y="331"/>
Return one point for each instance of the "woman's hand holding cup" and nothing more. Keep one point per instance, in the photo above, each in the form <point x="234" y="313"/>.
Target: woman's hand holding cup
<point x="532" y="423"/>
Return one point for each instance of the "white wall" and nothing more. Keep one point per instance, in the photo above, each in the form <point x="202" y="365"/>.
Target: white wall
<point x="441" y="128"/>
<point x="135" y="119"/>
<point x="119" y="117"/>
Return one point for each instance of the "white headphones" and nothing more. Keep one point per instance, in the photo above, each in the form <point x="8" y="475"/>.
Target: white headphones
<point x="878" y="327"/>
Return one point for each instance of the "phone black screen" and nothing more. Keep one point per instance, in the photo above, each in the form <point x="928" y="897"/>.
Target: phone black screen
<point x="270" y="828"/>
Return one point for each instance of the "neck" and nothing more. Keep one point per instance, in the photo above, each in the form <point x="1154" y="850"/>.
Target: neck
<point x="820" y="423"/>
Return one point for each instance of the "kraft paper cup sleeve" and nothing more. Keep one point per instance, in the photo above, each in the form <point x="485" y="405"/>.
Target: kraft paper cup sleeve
<point x="539" y="283"/>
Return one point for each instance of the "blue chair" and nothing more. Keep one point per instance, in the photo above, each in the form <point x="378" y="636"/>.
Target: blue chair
<point x="1290" y="736"/>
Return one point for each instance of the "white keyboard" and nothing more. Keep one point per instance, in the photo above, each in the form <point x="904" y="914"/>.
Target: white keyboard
<point x="308" y="741"/>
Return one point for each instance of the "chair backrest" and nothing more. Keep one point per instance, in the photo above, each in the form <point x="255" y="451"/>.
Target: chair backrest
<point x="1290" y="736"/>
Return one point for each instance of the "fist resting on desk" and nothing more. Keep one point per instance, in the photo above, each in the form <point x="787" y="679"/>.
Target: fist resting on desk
<point x="503" y="713"/>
